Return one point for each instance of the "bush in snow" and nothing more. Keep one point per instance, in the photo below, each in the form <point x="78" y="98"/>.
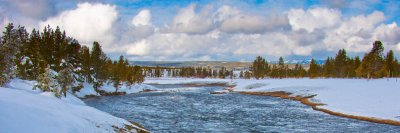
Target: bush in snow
<point x="45" y="81"/>
<point x="65" y="80"/>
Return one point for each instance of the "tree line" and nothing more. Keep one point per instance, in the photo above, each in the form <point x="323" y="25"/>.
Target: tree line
<point x="58" y="62"/>
<point x="187" y="72"/>
<point x="374" y="64"/>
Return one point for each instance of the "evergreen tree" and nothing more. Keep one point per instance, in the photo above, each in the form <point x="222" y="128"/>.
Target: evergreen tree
<point x="281" y="68"/>
<point x="247" y="75"/>
<point x="31" y="65"/>
<point x="329" y="68"/>
<point x="340" y="63"/>
<point x="138" y="74"/>
<point x="157" y="71"/>
<point x="22" y="61"/>
<point x="241" y="74"/>
<point x="222" y="73"/>
<point x="314" y="69"/>
<point x="116" y="79"/>
<point x="372" y="63"/>
<point x="46" y="47"/>
<point x="390" y="64"/>
<point x="85" y="61"/>
<point x="98" y="60"/>
<point x="65" y="80"/>
<point x="10" y="47"/>
<point x="260" y="67"/>
<point x="45" y="81"/>
<point x="119" y="72"/>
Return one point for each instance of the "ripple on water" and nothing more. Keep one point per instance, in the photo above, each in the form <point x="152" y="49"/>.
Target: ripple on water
<point x="195" y="110"/>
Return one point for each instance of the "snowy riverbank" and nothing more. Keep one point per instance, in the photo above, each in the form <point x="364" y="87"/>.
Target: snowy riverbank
<point x="27" y="110"/>
<point x="375" y="98"/>
<point x="42" y="112"/>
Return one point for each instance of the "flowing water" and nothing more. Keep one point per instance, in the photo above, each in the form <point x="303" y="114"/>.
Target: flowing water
<point x="181" y="108"/>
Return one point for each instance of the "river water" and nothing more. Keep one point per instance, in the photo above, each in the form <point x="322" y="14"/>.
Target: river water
<point x="181" y="108"/>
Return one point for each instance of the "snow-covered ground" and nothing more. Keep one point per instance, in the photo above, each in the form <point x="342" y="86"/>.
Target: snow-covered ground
<point x="26" y="110"/>
<point x="88" y="89"/>
<point x="376" y="98"/>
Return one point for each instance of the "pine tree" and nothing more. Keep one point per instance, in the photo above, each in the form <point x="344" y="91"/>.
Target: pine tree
<point x="138" y="74"/>
<point x="281" y="68"/>
<point x="11" y="44"/>
<point x="314" y="69"/>
<point x="396" y="68"/>
<point x="260" y="67"/>
<point x="46" y="48"/>
<point x="22" y="61"/>
<point x="32" y="61"/>
<point x="340" y="63"/>
<point x="390" y="64"/>
<point x="247" y="75"/>
<point x="222" y="73"/>
<point x="119" y="72"/>
<point x="65" y="80"/>
<point x="329" y="67"/>
<point x="98" y="60"/>
<point x="157" y="71"/>
<point x="85" y="60"/>
<point x="372" y="63"/>
<point x="116" y="76"/>
<point x="45" y="81"/>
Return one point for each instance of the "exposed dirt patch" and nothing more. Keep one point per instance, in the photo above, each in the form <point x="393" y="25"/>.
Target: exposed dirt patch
<point x="306" y="101"/>
<point x="130" y="129"/>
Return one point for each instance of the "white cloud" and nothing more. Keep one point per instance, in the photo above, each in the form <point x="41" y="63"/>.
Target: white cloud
<point x="225" y="32"/>
<point x="247" y="23"/>
<point x="304" y="51"/>
<point x="398" y="47"/>
<point x="323" y="30"/>
<point x="139" y="48"/>
<point x="390" y="33"/>
<point x="354" y="34"/>
<point x="312" y="19"/>
<point x="188" y="21"/>
<point x="143" y="18"/>
<point x="88" y="22"/>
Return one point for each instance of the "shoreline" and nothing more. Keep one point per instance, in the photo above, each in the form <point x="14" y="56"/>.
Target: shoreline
<point x="314" y="106"/>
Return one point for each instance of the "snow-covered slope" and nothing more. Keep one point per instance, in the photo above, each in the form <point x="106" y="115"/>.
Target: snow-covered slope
<point x="26" y="110"/>
<point x="361" y="97"/>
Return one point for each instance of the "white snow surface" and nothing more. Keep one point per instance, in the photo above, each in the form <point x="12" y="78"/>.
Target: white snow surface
<point x="26" y="110"/>
<point x="89" y="90"/>
<point x="377" y="98"/>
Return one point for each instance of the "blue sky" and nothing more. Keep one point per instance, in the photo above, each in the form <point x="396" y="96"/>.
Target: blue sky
<point x="216" y="29"/>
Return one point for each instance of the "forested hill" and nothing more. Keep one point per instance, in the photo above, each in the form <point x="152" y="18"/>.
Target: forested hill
<point x="58" y="62"/>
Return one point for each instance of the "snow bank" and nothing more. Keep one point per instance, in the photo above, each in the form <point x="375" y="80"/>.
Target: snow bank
<point x="376" y="98"/>
<point x="26" y="110"/>
<point x="89" y="90"/>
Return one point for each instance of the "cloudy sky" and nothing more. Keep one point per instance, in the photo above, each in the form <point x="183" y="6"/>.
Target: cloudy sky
<point x="229" y="30"/>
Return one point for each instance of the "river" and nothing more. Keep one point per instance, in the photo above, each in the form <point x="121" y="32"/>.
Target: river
<point x="183" y="108"/>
